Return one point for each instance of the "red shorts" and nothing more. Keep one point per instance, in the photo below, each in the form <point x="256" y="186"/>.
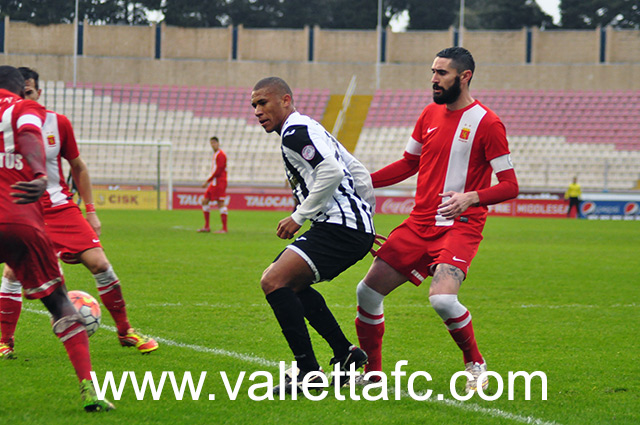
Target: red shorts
<point x="415" y="249"/>
<point x="70" y="233"/>
<point x="29" y="253"/>
<point x="216" y="192"/>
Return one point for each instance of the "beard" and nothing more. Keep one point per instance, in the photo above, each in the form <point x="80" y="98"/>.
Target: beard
<point x="449" y="95"/>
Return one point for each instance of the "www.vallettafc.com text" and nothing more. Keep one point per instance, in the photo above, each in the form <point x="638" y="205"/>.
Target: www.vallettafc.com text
<point x="259" y="385"/>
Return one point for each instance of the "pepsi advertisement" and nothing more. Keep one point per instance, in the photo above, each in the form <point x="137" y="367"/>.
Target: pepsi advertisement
<point x="610" y="210"/>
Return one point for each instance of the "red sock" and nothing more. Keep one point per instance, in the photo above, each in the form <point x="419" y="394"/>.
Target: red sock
<point x="207" y="214"/>
<point x="223" y="218"/>
<point x="466" y="340"/>
<point x="9" y="313"/>
<point x="76" y="342"/>
<point x="114" y="302"/>
<point x="370" y="340"/>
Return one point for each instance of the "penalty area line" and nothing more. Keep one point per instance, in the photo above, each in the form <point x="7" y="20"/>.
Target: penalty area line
<point x="469" y="407"/>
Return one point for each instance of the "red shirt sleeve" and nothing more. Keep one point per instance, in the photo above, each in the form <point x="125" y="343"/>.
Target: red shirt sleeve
<point x="404" y="168"/>
<point x="497" y="146"/>
<point x="68" y="145"/>
<point x="396" y="171"/>
<point x="507" y="188"/>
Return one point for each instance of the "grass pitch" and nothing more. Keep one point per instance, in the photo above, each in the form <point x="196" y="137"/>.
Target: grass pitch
<point x="557" y="296"/>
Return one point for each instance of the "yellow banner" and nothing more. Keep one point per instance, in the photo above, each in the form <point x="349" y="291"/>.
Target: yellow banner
<point x="129" y="199"/>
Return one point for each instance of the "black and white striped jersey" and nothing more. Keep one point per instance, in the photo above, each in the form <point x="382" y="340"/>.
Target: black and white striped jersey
<point x="329" y="184"/>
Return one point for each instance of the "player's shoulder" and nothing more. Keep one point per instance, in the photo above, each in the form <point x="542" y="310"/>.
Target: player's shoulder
<point x="490" y="115"/>
<point x="24" y="106"/>
<point x="62" y="119"/>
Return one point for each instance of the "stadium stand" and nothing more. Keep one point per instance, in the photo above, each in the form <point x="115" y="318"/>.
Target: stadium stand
<point x="185" y="116"/>
<point x="553" y="135"/>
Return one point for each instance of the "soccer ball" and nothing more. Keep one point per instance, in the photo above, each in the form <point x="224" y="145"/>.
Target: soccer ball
<point x="88" y="308"/>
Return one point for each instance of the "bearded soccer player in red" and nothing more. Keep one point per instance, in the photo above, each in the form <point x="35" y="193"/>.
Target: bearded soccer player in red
<point x="217" y="187"/>
<point x="75" y="239"/>
<point x="23" y="242"/>
<point x="456" y="144"/>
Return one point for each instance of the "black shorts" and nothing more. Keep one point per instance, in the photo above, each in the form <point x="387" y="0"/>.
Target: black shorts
<point x="330" y="249"/>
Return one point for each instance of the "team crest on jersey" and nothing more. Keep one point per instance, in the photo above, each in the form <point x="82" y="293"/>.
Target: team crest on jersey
<point x="51" y="139"/>
<point x="308" y="152"/>
<point x="464" y="134"/>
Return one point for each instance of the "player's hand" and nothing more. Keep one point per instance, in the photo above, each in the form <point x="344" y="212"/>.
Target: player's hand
<point x="287" y="228"/>
<point x="31" y="191"/>
<point x="205" y="184"/>
<point x="379" y="240"/>
<point x="456" y="204"/>
<point x="94" y="222"/>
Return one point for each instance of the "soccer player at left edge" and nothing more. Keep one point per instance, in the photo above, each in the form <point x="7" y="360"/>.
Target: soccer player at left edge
<point x="74" y="237"/>
<point x="24" y="244"/>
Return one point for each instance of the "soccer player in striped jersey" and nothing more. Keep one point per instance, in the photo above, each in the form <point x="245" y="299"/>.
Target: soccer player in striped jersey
<point x="75" y="238"/>
<point x="456" y="144"/>
<point x="216" y="185"/>
<point x="23" y="242"/>
<point x="333" y="190"/>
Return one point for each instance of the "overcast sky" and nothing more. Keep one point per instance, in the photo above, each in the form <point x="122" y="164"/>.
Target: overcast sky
<point x="551" y="7"/>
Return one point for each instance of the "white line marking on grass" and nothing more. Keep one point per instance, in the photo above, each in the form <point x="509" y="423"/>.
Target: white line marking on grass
<point x="470" y="407"/>
<point x="577" y="306"/>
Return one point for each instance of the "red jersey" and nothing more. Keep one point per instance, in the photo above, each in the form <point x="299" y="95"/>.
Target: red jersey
<point x="17" y="116"/>
<point x="218" y="169"/>
<point x="454" y="151"/>
<point x="59" y="142"/>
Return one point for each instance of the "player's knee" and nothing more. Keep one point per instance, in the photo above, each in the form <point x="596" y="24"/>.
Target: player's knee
<point x="269" y="282"/>
<point x="10" y="285"/>
<point x="99" y="266"/>
<point x="68" y="326"/>
<point x="8" y="273"/>
<point x="106" y="277"/>
<point x="447" y="305"/>
<point x="368" y="299"/>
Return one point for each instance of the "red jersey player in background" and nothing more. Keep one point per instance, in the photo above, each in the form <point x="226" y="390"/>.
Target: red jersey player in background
<point x="217" y="187"/>
<point x="75" y="239"/>
<point x="456" y="144"/>
<point x="24" y="244"/>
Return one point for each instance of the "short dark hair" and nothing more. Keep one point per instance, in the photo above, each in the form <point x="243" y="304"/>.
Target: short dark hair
<point x="461" y="59"/>
<point x="278" y="84"/>
<point x="11" y="79"/>
<point x="214" y="138"/>
<point x="28" y="74"/>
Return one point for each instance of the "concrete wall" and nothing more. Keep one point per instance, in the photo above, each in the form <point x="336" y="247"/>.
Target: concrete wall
<point x="21" y="37"/>
<point x="345" y="46"/>
<point x="270" y="45"/>
<point x="416" y="46"/>
<point x="119" y="41"/>
<point x="196" y="43"/>
<point x="559" y="46"/>
<point x="123" y="54"/>
<point x="623" y="46"/>
<point x="497" y="46"/>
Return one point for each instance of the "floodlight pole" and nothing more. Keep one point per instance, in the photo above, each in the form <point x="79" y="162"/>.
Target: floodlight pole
<point x="461" y="23"/>
<point x="379" y="44"/>
<point x="75" y="46"/>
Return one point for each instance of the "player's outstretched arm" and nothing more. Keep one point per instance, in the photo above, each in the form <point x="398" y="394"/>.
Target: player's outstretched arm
<point x="31" y="148"/>
<point x="396" y="171"/>
<point x="80" y="173"/>
<point x="30" y="191"/>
